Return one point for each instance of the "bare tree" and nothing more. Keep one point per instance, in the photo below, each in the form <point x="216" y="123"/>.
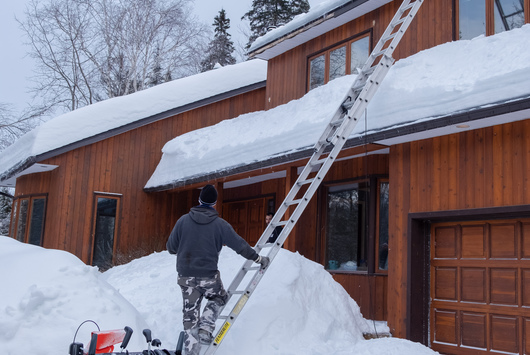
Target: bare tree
<point x="91" y="50"/>
<point x="13" y="125"/>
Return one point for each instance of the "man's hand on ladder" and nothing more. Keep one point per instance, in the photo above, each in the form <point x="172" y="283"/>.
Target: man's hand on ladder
<point x="263" y="260"/>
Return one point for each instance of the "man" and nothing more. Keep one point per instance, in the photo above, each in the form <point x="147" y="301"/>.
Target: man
<point x="197" y="239"/>
<point x="276" y="232"/>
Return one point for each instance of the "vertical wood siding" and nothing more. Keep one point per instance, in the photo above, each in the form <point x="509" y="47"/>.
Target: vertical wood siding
<point x="122" y="165"/>
<point x="481" y="168"/>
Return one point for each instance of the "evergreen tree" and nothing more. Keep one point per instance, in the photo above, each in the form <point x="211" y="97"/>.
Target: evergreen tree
<point x="156" y="77"/>
<point x="268" y="14"/>
<point x="221" y="47"/>
<point x="5" y="210"/>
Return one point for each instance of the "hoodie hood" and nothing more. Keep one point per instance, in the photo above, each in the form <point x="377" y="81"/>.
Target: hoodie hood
<point x="203" y="214"/>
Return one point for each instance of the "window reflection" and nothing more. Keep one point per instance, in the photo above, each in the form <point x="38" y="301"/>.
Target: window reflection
<point x="337" y="63"/>
<point x="317" y="71"/>
<point x="509" y="14"/>
<point x="472" y="18"/>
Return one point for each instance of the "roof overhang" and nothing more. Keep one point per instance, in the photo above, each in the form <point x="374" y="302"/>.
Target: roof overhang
<point x="317" y="27"/>
<point x="31" y="169"/>
<point x="377" y="142"/>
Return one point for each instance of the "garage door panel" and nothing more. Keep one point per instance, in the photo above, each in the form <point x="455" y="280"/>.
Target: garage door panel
<point x="504" y="334"/>
<point x="503" y="241"/>
<point x="445" y="283"/>
<point x="525" y="249"/>
<point x="503" y="286"/>
<point x="445" y="325"/>
<point x="446" y="242"/>
<point x="525" y="282"/>
<point x="473" y="242"/>
<point x="473" y="284"/>
<point x="474" y="330"/>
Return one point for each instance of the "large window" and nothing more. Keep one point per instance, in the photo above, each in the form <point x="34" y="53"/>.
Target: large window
<point x="338" y="61"/>
<point x="105" y="230"/>
<point x="27" y="219"/>
<point x="487" y="17"/>
<point x="354" y="212"/>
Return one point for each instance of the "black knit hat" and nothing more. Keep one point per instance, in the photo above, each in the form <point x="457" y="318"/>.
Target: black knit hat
<point x="208" y="195"/>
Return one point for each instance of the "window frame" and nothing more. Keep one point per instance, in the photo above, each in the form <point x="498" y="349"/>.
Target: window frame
<point x="107" y="195"/>
<point x="372" y="238"/>
<point x="15" y="210"/>
<point x="326" y="52"/>
<point x="490" y="16"/>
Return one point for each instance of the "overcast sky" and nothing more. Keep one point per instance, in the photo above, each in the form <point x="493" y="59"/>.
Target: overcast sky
<point x="16" y="68"/>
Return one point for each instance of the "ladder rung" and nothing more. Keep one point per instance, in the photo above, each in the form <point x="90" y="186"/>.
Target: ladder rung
<point x="319" y="161"/>
<point x="237" y="292"/>
<point x="222" y="317"/>
<point x="377" y="54"/>
<point x="409" y="6"/>
<point x="280" y="223"/>
<point x="293" y="202"/>
<point x="339" y="121"/>
<point x="304" y="182"/>
<point x="387" y="38"/>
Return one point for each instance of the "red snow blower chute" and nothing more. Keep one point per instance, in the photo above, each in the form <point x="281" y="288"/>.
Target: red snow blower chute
<point x="102" y="342"/>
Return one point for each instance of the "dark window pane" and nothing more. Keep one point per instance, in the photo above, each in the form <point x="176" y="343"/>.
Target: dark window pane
<point x="509" y="14"/>
<point x="22" y="218"/>
<point x="347" y="227"/>
<point x="337" y="63"/>
<point x="383" y="226"/>
<point x="472" y="18"/>
<point x="317" y="67"/>
<point x="360" y="50"/>
<point x="37" y="221"/>
<point x="104" y="232"/>
<point x="13" y="219"/>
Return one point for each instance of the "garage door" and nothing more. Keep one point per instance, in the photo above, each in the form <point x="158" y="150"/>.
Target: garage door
<point x="480" y="287"/>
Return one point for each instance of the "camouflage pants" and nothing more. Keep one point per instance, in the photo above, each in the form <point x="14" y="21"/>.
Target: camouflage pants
<point x="194" y="289"/>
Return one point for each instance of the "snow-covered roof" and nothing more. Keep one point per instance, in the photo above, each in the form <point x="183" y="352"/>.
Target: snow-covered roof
<point x="430" y="88"/>
<point x="318" y="20"/>
<point x="94" y="122"/>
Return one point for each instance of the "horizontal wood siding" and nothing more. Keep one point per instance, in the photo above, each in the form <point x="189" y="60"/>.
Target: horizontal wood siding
<point x="480" y="168"/>
<point x="121" y="165"/>
<point x="287" y="73"/>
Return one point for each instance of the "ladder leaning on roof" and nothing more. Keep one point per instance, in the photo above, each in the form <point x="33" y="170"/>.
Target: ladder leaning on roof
<point x="326" y="150"/>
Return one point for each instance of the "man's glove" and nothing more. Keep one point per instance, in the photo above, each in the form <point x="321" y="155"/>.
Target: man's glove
<point x="263" y="260"/>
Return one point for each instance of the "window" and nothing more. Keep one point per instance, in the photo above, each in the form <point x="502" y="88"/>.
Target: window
<point x="382" y="226"/>
<point x="27" y="220"/>
<point x="354" y="211"/>
<point x="475" y="17"/>
<point x="333" y="63"/>
<point x="347" y="227"/>
<point x="104" y="230"/>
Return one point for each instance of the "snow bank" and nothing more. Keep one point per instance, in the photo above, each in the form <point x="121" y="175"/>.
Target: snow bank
<point x="46" y="294"/>
<point x="297" y="309"/>
<point x="449" y="78"/>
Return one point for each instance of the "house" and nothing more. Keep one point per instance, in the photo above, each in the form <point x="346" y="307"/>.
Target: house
<point x="424" y="218"/>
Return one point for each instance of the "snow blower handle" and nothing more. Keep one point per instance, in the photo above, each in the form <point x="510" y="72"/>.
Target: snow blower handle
<point x="127" y="337"/>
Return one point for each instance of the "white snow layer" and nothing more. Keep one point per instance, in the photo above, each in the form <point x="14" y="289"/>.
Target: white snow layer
<point x="106" y="115"/>
<point x="297" y="309"/>
<point x="449" y="78"/>
<point x="299" y="21"/>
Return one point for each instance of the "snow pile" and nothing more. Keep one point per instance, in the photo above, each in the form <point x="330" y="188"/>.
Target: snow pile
<point x="297" y="309"/>
<point x="449" y="78"/>
<point x="106" y="115"/>
<point x="46" y="294"/>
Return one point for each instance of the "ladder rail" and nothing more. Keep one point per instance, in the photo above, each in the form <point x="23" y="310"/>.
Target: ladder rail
<point x="335" y="134"/>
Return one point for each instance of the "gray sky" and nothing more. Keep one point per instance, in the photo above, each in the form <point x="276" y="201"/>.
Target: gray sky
<point x="16" y="68"/>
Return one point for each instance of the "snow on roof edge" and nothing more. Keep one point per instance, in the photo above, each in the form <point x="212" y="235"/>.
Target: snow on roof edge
<point x="89" y="122"/>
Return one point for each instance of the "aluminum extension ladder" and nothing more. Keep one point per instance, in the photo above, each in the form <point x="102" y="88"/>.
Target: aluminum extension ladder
<point x="334" y="136"/>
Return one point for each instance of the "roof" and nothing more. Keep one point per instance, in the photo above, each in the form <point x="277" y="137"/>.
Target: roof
<point x="481" y="82"/>
<point x="110" y="117"/>
<point x="320" y="19"/>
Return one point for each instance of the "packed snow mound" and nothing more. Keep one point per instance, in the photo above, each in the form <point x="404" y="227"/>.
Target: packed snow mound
<point x="297" y="309"/>
<point x="46" y="294"/>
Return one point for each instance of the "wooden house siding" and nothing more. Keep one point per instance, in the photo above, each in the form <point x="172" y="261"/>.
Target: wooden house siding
<point x="476" y="169"/>
<point x="287" y="73"/>
<point x="121" y="165"/>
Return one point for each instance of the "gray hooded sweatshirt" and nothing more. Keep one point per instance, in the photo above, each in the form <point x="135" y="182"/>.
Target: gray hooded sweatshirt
<point x="197" y="239"/>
